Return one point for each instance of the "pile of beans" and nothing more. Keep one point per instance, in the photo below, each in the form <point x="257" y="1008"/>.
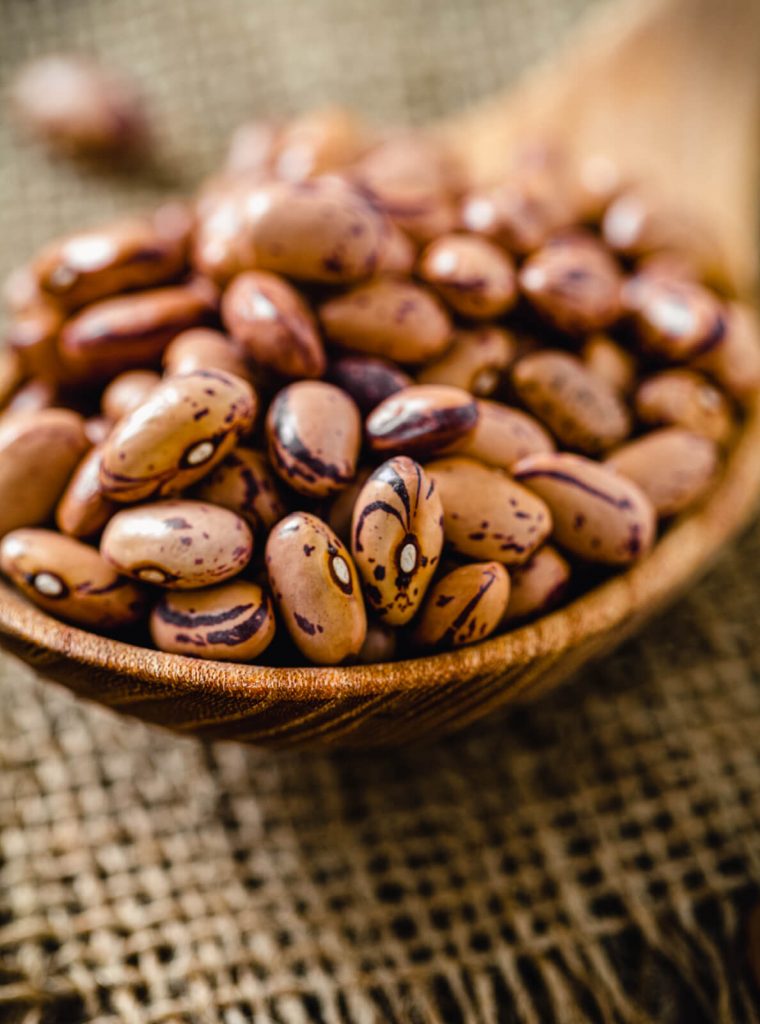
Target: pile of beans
<point x="343" y="407"/>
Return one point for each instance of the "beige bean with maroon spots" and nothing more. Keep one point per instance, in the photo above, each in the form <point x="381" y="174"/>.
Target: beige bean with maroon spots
<point x="38" y="453"/>
<point x="538" y="585"/>
<point x="735" y="362"/>
<point x="202" y="348"/>
<point x="486" y="515"/>
<point x="675" y="320"/>
<point x="673" y="467"/>
<point x="598" y="514"/>
<point x="475" y="361"/>
<point x="231" y="622"/>
<point x="244" y="482"/>
<point x="397" y="537"/>
<point x="582" y="410"/>
<point x="388" y="317"/>
<point x="180" y="545"/>
<point x="70" y="580"/>
<point x="464" y="606"/>
<point x="314" y="435"/>
<point x="126" y="392"/>
<point x="421" y="419"/>
<point x="273" y="324"/>
<point x="610" y="361"/>
<point x="83" y="511"/>
<point x="502" y="436"/>
<point x="472" y="275"/>
<point x="185" y="427"/>
<point x="684" y="398"/>
<point x="316" y="588"/>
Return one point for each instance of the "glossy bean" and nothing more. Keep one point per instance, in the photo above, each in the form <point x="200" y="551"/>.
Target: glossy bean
<point x="202" y="348"/>
<point x="611" y="362"/>
<point x="476" y="360"/>
<point x="244" y="482"/>
<point x="126" y="392"/>
<point x="83" y="511"/>
<point x="674" y="320"/>
<point x="735" y="361"/>
<point x="684" y="398"/>
<point x="473" y="276"/>
<point x="538" y="585"/>
<point x="464" y="606"/>
<point x="520" y="213"/>
<point x="502" y="436"/>
<point x="421" y="419"/>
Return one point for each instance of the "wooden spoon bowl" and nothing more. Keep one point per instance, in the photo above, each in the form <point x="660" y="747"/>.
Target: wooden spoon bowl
<point x="672" y="90"/>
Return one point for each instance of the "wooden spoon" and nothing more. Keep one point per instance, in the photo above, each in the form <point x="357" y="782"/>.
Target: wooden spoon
<point x="671" y="90"/>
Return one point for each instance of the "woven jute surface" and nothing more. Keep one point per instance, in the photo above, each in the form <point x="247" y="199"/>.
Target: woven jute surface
<point x="590" y="858"/>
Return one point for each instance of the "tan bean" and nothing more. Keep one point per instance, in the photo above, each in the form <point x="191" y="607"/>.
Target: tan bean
<point x="38" y="453"/>
<point x="379" y="644"/>
<point x="82" y="510"/>
<point x="538" y="585"/>
<point x="367" y="379"/>
<point x="574" y="283"/>
<point x="202" y="348"/>
<point x="90" y="265"/>
<point x="184" y="428"/>
<point x="273" y="324"/>
<point x="735" y="361"/>
<point x="341" y="509"/>
<point x="637" y="225"/>
<point x="476" y="361"/>
<point x="11" y="374"/>
<point x="519" y="213"/>
<point x="388" y="317"/>
<point x="397" y="254"/>
<point x="180" y="545"/>
<point x="673" y="467"/>
<point x="610" y="361"/>
<point x="314" y="435"/>
<point x="318" y="141"/>
<point x="421" y="419"/>
<point x="231" y="622"/>
<point x="581" y="409"/>
<point x="245" y="483"/>
<point x="78" y="107"/>
<point x="130" y="331"/>
<point x="598" y="515"/>
<point x="70" y="580"/>
<point x="316" y="588"/>
<point x="485" y="514"/>
<point x="472" y="275"/>
<point x="502" y="436"/>
<point x="126" y="392"/>
<point x="396" y="538"/>
<point x="674" y="320"/>
<point x="464" y="606"/>
<point x="684" y="398"/>
<point x="33" y="335"/>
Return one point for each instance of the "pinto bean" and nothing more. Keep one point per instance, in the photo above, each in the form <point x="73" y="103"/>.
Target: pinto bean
<point x="476" y="361"/>
<point x="473" y="276"/>
<point x="82" y="510"/>
<point x="244" y="482"/>
<point x="684" y="398"/>
<point x="538" y="585"/>
<point x="464" y="606"/>
<point x="421" y="419"/>
<point x="502" y="436"/>
<point x="126" y="392"/>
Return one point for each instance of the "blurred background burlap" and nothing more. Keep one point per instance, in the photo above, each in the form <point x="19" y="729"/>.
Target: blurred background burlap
<point x="590" y="858"/>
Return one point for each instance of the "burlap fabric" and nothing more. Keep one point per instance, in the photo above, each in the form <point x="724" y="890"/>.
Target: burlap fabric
<point x="590" y="858"/>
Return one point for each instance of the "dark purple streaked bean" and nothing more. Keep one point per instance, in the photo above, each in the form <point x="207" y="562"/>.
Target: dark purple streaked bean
<point x="397" y="537"/>
<point x="317" y="589"/>
<point x="582" y="410"/>
<point x="464" y="606"/>
<point x="421" y="419"/>
<point x="598" y="515"/>
<point x="486" y="515"/>
<point x="684" y="398"/>
<point x="180" y="545"/>
<point x="70" y="580"/>
<point x="476" y="360"/>
<point x="230" y="622"/>
<point x="367" y="379"/>
<point x="473" y="276"/>
<point x="245" y="483"/>
<point x="185" y="427"/>
<point x="314" y="435"/>
<point x="538" y="585"/>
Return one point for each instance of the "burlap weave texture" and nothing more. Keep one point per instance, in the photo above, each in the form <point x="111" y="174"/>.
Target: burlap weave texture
<point x="590" y="858"/>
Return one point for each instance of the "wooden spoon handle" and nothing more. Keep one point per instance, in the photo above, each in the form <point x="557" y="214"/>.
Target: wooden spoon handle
<point x="669" y="89"/>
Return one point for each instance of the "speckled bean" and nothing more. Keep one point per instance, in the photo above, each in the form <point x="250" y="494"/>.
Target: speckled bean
<point x="126" y="392"/>
<point x="388" y="317"/>
<point x="598" y="515"/>
<point x="314" y="435"/>
<point x="316" y="588"/>
<point x="735" y="362"/>
<point x="502" y="436"/>
<point x="519" y="214"/>
<point x="245" y="483"/>
<point x="202" y="348"/>
<point x="476" y="361"/>
<point x="674" y="320"/>
<point x="70" y="580"/>
<point x="397" y="254"/>
<point x="38" y="453"/>
<point x="472" y="275"/>
<point x="580" y="409"/>
<point x="231" y="622"/>
<point x="538" y="585"/>
<point x="610" y="361"/>
<point x="673" y="467"/>
<point x="367" y="379"/>
<point x="273" y="323"/>
<point x="486" y="515"/>
<point x="180" y="545"/>
<point x="83" y="511"/>
<point x="684" y="398"/>
<point x="185" y="426"/>
<point x="464" y="606"/>
<point x="421" y="419"/>
<point x="397" y="537"/>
